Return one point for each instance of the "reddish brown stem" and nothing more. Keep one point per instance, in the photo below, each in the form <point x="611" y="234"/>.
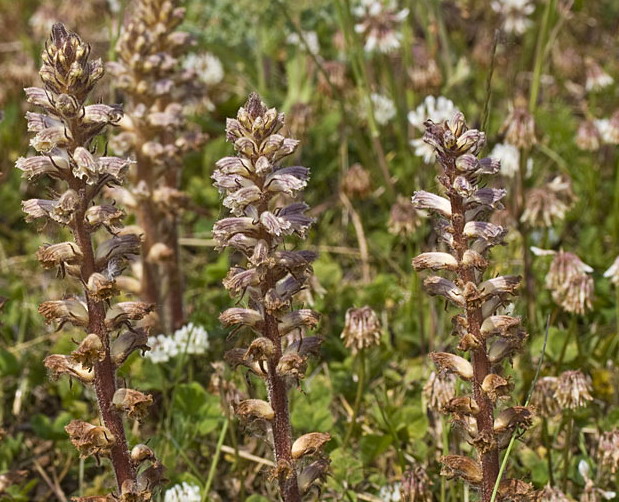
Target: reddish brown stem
<point x="282" y="434"/>
<point x="481" y="364"/>
<point x="105" y="372"/>
<point x="147" y="219"/>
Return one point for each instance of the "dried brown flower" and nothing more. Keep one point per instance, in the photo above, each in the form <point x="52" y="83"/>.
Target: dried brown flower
<point x="573" y="389"/>
<point x="362" y="329"/>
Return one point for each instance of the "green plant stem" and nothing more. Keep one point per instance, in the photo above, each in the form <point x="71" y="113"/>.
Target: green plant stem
<point x="512" y="441"/>
<point x="548" y="442"/>
<point x="358" y="396"/>
<point x="213" y="468"/>
<point x="566" y="451"/>
<point x="539" y="56"/>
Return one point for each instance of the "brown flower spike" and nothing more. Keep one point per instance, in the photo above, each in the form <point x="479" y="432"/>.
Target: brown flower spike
<point x="488" y="338"/>
<point x="158" y="92"/>
<point x="262" y="197"/>
<point x="65" y="135"/>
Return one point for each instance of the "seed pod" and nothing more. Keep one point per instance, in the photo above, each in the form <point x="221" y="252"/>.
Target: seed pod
<point x="510" y="418"/>
<point x="58" y="365"/>
<point x="254" y="409"/>
<point x="127" y="343"/>
<point x="495" y="386"/>
<point x="141" y="453"/>
<point x="451" y="363"/>
<point x="89" y="352"/>
<point x="134" y="403"/>
<point x="90" y="439"/>
<point x="309" y="444"/>
<point x="462" y="467"/>
<point x="315" y="471"/>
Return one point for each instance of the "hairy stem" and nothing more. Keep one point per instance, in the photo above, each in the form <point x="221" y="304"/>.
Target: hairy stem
<point x="481" y="364"/>
<point x="282" y="436"/>
<point x="105" y="372"/>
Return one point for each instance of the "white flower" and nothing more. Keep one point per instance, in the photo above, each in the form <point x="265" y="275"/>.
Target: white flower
<point x="311" y="39"/>
<point x="597" y="78"/>
<point x="189" y="339"/>
<point x="183" y="493"/>
<point x="192" y="338"/>
<point x="609" y="132"/>
<point x="207" y="67"/>
<point x="515" y="14"/>
<point x="384" y="109"/>
<point x="390" y="493"/>
<point x="379" y="22"/>
<point x="613" y="272"/>
<point x="509" y="156"/>
<point x="435" y="109"/>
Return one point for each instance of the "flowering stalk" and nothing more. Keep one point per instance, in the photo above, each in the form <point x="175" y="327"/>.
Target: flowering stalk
<point x="261" y="197"/>
<point x="65" y="135"/>
<point x="488" y="338"/>
<point x="157" y="90"/>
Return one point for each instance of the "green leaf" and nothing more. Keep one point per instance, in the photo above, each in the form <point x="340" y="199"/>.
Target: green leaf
<point x="372" y="445"/>
<point x="346" y="468"/>
<point x="311" y="411"/>
<point x="9" y="365"/>
<point x="191" y="400"/>
<point x="256" y="498"/>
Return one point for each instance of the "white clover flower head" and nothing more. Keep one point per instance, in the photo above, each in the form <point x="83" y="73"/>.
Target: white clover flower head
<point x="597" y="78"/>
<point x="391" y="493"/>
<point x="207" y="67"/>
<point x="311" y="39"/>
<point x="434" y="109"/>
<point x="515" y="14"/>
<point x="183" y="492"/>
<point x="189" y="339"/>
<point x="509" y="156"/>
<point x="384" y="108"/>
<point x="378" y="23"/>
<point x="192" y="339"/>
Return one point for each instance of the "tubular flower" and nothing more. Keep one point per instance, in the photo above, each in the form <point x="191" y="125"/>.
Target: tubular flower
<point x="262" y="197"/>
<point x="462" y="211"/>
<point x="65" y="132"/>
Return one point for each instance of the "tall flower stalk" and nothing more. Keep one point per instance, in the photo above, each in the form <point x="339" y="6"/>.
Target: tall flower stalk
<point x="65" y="139"/>
<point x="487" y="337"/>
<point x="157" y="93"/>
<point x="262" y="197"/>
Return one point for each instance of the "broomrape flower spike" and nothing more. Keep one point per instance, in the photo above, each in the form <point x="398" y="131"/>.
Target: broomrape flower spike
<point x="488" y="339"/>
<point x="160" y="89"/>
<point x="262" y="197"/>
<point x="65" y="136"/>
